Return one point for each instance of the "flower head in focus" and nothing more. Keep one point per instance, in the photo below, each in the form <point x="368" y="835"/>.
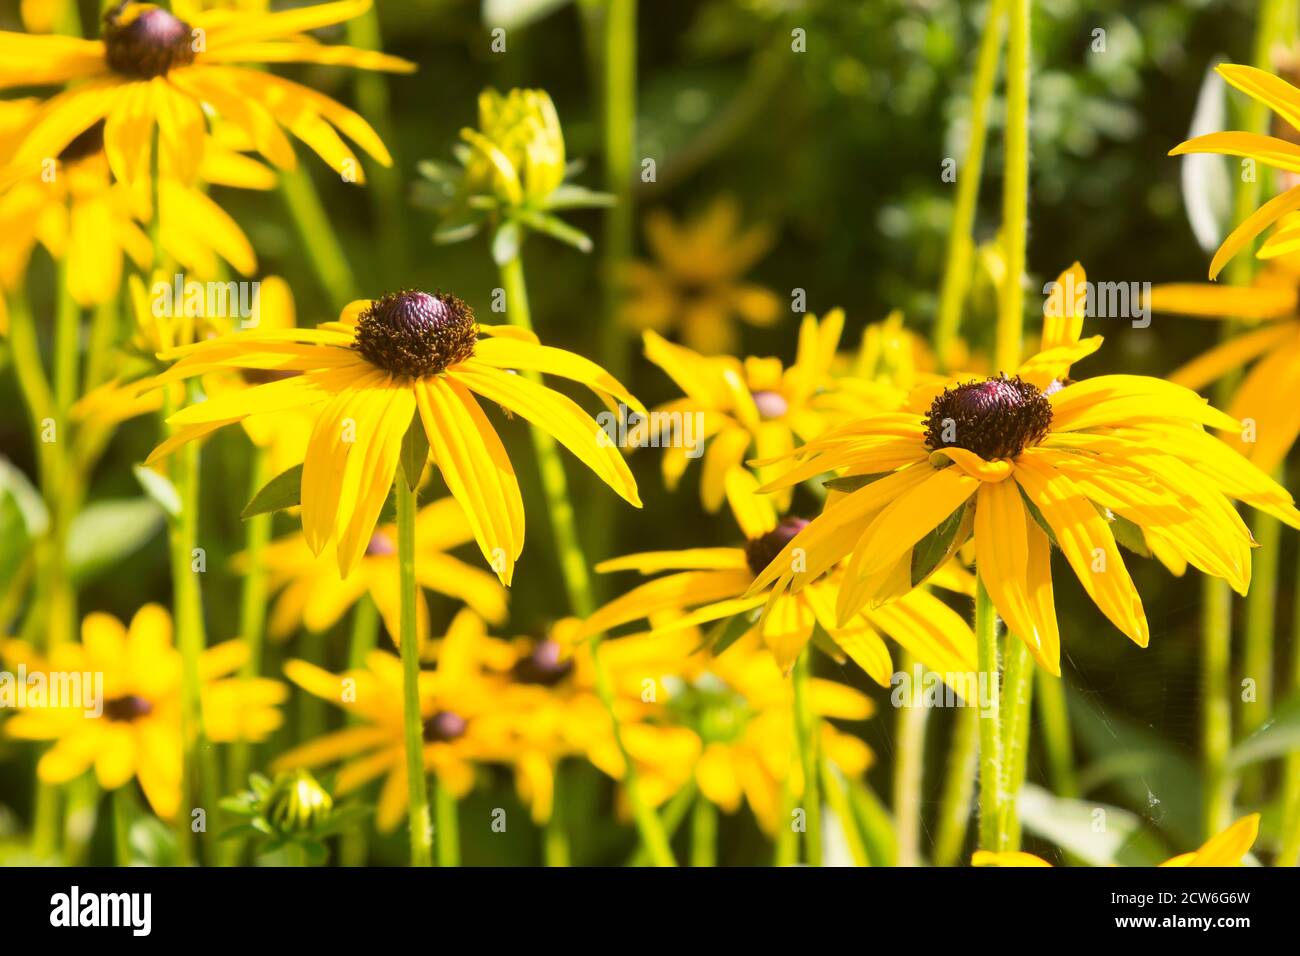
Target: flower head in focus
<point x="1022" y="462"/>
<point x="151" y="68"/>
<point x="367" y="377"/>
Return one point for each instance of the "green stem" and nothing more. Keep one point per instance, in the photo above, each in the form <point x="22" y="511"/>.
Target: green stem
<point x="955" y="802"/>
<point x="1015" y="188"/>
<point x="786" y="850"/>
<point x="420" y="824"/>
<point x="1016" y="701"/>
<point x="67" y="345"/>
<point x="556" y="850"/>
<point x="252" y="606"/>
<point x="123" y="813"/>
<point x="805" y="732"/>
<point x="384" y="182"/>
<point x="103" y="336"/>
<point x="909" y="767"/>
<point x="447" y="831"/>
<point x="986" y="643"/>
<point x="674" y="814"/>
<point x="1289" y="852"/>
<point x="199" y="759"/>
<point x="1257" y="658"/>
<point x="1055" y="718"/>
<point x="355" y="845"/>
<point x="318" y="237"/>
<point x="704" y="832"/>
<point x="961" y="242"/>
<point x="1216" y="724"/>
<point x="573" y="568"/>
<point x="1261" y="604"/>
<point x="619" y="65"/>
<point x="573" y="564"/>
<point x="836" y="790"/>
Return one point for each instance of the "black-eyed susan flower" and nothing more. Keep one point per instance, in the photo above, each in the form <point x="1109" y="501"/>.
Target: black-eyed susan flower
<point x="313" y="595"/>
<point x="751" y="409"/>
<point x="1024" y="461"/>
<point x="464" y="722"/>
<point x="366" y="376"/>
<point x="1284" y="100"/>
<point x="711" y="585"/>
<point x="695" y="286"/>
<point x="73" y="207"/>
<point x="137" y="732"/>
<point x="1226" y="848"/>
<point x="1268" y="347"/>
<point x="150" y="68"/>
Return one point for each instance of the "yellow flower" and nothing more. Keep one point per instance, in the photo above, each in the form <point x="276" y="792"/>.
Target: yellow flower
<point x="1033" y="455"/>
<point x="1265" y="395"/>
<point x="460" y="705"/>
<point x="315" y="596"/>
<point x="75" y="210"/>
<point x="152" y="67"/>
<point x="134" y="390"/>
<point x="366" y="376"/>
<point x="558" y="714"/>
<point x="518" y="148"/>
<point x="694" y="287"/>
<point x="710" y="585"/>
<point x="1284" y="100"/>
<point x="138" y="734"/>
<point x="1223" y="849"/>
<point x="744" y="710"/>
<point x="754" y="408"/>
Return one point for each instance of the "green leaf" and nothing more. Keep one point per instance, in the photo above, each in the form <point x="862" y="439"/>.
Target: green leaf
<point x="282" y="491"/>
<point x="851" y="483"/>
<point x="517" y="13"/>
<point x="36" y="517"/>
<point x="1126" y="532"/>
<point x="415" y="452"/>
<point x="1280" y="736"/>
<point x="506" y="242"/>
<point x="459" y="226"/>
<point x="728" y="632"/>
<point x="159" y="488"/>
<point x="556" y="228"/>
<point x="105" y="532"/>
<point x="937" y="546"/>
<point x="578" y="197"/>
<point x="1073" y="825"/>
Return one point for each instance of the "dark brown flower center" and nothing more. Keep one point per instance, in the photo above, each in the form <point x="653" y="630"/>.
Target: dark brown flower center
<point x="444" y="727"/>
<point x="128" y="708"/>
<point x="416" y="334"/>
<point x="544" y="666"/>
<point x="760" y="551"/>
<point x="996" y="418"/>
<point x="87" y="143"/>
<point x="142" y="40"/>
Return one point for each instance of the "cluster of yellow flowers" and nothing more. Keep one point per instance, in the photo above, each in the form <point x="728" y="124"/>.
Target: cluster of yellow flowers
<point x="924" y="479"/>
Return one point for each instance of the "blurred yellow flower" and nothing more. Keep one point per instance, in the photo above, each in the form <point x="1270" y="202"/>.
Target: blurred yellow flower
<point x="694" y="288"/>
<point x="313" y="595"/>
<point x="1223" y="849"/>
<point x="751" y="409"/>
<point x="1270" y="347"/>
<point x="138" y="733"/>
<point x="710" y="584"/>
